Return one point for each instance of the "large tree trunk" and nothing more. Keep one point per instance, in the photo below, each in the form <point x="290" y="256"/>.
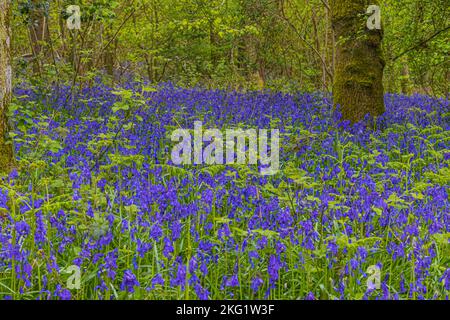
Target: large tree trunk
<point x="358" y="86"/>
<point x="6" y="151"/>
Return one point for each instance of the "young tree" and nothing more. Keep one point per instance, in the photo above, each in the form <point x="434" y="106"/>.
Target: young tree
<point x="6" y="151"/>
<point x="358" y="86"/>
<point x="39" y="31"/>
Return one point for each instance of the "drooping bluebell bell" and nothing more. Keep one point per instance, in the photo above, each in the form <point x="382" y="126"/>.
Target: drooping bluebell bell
<point x="129" y="282"/>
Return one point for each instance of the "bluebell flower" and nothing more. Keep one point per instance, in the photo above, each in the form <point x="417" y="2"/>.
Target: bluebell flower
<point x="129" y="282"/>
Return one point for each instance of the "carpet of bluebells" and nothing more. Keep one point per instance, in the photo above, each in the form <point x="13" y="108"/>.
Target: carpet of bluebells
<point x="94" y="187"/>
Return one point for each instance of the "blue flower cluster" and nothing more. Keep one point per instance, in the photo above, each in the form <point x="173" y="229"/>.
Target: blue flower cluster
<point x="95" y="188"/>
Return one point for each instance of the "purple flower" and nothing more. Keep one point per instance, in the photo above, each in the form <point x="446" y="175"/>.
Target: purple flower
<point x="63" y="294"/>
<point x="274" y="268"/>
<point x="256" y="284"/>
<point x="157" y="280"/>
<point x="168" y="248"/>
<point x="180" y="278"/>
<point x="156" y="232"/>
<point x="446" y="279"/>
<point x="202" y="293"/>
<point x="22" y="228"/>
<point x="310" y="296"/>
<point x="232" y="281"/>
<point x="129" y="282"/>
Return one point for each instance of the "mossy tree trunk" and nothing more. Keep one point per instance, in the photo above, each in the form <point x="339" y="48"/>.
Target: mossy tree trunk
<point x="6" y="151"/>
<point x="358" y="81"/>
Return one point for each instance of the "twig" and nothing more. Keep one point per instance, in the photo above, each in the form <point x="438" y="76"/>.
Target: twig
<point x="421" y="43"/>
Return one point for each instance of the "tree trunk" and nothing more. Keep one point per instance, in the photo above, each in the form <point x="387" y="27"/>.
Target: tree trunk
<point x="109" y="52"/>
<point x="405" y="77"/>
<point x="358" y="86"/>
<point x="6" y="150"/>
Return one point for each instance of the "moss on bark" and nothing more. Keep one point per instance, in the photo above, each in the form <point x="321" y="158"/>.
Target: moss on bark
<point x="6" y="150"/>
<point x="358" y="81"/>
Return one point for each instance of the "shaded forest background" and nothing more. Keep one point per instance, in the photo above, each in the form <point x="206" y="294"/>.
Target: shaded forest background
<point x="253" y="44"/>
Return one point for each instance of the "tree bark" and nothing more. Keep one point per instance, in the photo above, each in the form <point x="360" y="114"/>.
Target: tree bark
<point x="358" y="82"/>
<point x="6" y="150"/>
<point x="405" y="77"/>
<point x="109" y="52"/>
